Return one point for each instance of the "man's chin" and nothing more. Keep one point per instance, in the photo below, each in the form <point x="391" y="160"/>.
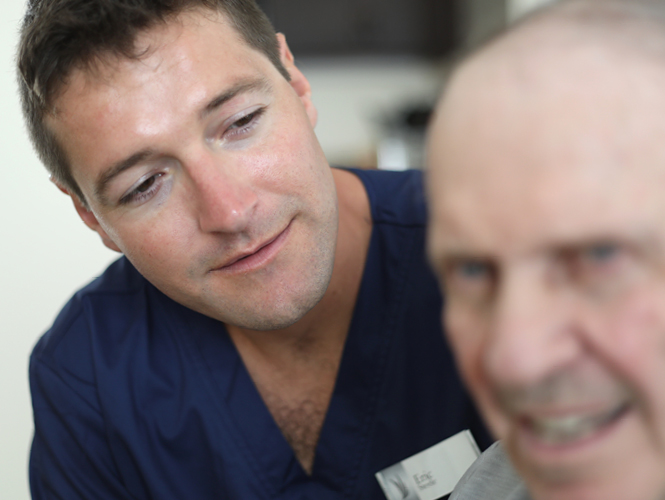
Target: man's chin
<point x="269" y="323"/>
<point x="275" y="315"/>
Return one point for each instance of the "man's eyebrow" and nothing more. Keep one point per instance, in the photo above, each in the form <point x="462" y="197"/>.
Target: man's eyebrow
<point x="105" y="178"/>
<point x="243" y="86"/>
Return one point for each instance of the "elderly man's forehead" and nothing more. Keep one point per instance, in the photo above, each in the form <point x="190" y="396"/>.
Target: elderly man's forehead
<point x="541" y="109"/>
<point x="630" y="28"/>
<point x="551" y="77"/>
<point x="561" y="52"/>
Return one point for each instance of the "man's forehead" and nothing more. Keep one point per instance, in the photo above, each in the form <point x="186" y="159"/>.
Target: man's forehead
<point x="148" y="47"/>
<point x="564" y="191"/>
<point x="455" y="235"/>
<point x="521" y="114"/>
<point x="545" y="169"/>
<point x="185" y="44"/>
<point x="556" y="52"/>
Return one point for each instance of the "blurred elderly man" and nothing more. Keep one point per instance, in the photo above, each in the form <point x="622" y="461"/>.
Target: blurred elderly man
<point x="547" y="185"/>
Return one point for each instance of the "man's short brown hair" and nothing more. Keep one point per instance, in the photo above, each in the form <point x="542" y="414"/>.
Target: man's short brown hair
<point x="59" y="36"/>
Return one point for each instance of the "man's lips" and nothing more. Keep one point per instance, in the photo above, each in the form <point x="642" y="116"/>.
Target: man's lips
<point x="256" y="257"/>
<point x="561" y="430"/>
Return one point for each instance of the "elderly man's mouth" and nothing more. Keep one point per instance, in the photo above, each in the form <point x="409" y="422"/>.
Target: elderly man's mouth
<point x="571" y="428"/>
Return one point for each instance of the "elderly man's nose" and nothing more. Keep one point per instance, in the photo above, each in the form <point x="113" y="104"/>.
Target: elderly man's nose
<point x="532" y="333"/>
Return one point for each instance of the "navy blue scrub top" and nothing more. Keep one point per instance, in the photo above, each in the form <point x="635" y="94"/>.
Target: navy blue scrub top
<point x="138" y="397"/>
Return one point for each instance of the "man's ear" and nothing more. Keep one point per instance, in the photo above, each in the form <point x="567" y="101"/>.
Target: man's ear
<point x="88" y="217"/>
<point x="298" y="80"/>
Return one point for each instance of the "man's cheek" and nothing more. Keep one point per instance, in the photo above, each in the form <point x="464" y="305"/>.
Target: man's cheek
<point x="631" y="337"/>
<point x="634" y="330"/>
<point x="464" y="326"/>
<point x="465" y="336"/>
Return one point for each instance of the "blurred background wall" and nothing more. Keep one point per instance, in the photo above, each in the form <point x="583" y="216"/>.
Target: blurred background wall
<point x="47" y="253"/>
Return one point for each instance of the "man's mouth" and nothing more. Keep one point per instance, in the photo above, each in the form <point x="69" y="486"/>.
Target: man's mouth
<point x="249" y="254"/>
<point x="569" y="428"/>
<point x="258" y="256"/>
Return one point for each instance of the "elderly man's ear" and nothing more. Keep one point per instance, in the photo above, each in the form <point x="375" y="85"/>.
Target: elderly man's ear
<point x="298" y="81"/>
<point x="88" y="217"/>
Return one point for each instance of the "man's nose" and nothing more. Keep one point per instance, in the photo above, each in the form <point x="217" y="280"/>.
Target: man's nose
<point x="225" y="198"/>
<point x="533" y="332"/>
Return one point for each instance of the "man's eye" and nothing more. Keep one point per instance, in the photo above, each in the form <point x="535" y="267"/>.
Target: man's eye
<point x="597" y="258"/>
<point x="470" y="279"/>
<point x="601" y="267"/>
<point x="472" y="270"/>
<point x="600" y="254"/>
<point x="145" y="186"/>
<point x="143" y="191"/>
<point x="245" y="123"/>
<point x="245" y="120"/>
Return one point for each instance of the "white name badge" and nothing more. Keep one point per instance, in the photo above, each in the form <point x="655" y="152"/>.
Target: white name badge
<point x="431" y="474"/>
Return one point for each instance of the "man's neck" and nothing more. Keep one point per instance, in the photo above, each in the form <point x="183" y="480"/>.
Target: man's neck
<point x="295" y="368"/>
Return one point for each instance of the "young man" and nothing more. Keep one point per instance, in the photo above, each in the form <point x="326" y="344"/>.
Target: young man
<point x="548" y="233"/>
<point x="272" y="329"/>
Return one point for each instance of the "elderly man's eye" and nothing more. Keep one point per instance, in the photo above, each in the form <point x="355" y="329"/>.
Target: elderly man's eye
<point x="599" y="257"/>
<point x="469" y="279"/>
<point x="600" y="265"/>
<point x="472" y="270"/>
<point x="601" y="253"/>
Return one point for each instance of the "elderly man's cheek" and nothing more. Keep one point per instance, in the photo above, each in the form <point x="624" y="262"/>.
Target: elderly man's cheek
<point x="632" y="337"/>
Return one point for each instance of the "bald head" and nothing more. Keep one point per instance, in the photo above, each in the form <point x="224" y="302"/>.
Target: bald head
<point x="632" y="25"/>
<point x="547" y="231"/>
<point x="557" y="98"/>
<point x="543" y="73"/>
